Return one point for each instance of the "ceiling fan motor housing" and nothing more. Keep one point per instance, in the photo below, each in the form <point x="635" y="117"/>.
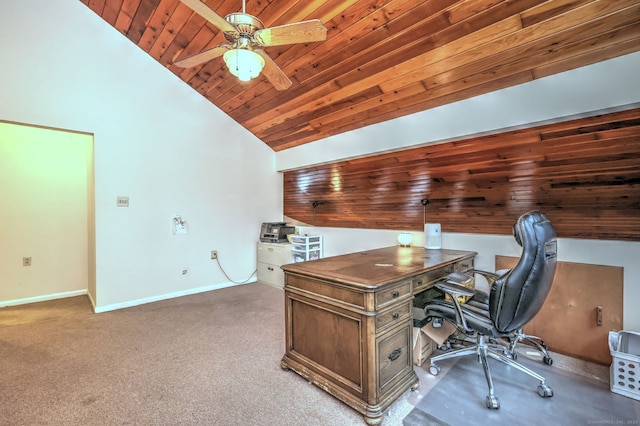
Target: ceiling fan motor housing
<point x="247" y="35"/>
<point x="245" y="23"/>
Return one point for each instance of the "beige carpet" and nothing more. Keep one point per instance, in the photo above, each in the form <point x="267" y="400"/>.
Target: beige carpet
<point x="206" y="359"/>
<point x="42" y="311"/>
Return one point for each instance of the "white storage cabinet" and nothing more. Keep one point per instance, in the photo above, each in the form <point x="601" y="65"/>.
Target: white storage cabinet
<point x="270" y="257"/>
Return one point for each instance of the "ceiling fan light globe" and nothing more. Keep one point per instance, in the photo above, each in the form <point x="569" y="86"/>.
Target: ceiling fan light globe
<point x="244" y="64"/>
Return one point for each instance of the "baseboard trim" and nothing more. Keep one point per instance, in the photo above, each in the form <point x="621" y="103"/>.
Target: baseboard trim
<point x="131" y="303"/>
<point x="43" y="298"/>
<point x="92" y="302"/>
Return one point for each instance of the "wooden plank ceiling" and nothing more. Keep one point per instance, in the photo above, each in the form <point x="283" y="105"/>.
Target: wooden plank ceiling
<point x="382" y="59"/>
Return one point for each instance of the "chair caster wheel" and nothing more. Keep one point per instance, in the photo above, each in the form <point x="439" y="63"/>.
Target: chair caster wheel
<point x="508" y="354"/>
<point x="492" y="402"/>
<point x="434" y="369"/>
<point x="545" y="391"/>
<point x="547" y="360"/>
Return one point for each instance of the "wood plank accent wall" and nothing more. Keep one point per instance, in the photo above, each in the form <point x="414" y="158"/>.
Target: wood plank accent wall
<point x="583" y="173"/>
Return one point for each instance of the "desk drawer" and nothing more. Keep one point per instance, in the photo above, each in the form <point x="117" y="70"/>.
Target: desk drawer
<point x="423" y="281"/>
<point x="392" y="294"/>
<point x="463" y="265"/>
<point x="275" y="254"/>
<point x="395" y="357"/>
<point x="392" y="316"/>
<point x="271" y="274"/>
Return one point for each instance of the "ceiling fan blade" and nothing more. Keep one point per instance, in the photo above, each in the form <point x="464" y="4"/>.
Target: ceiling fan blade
<point x="210" y="15"/>
<point x="297" y="32"/>
<point x="272" y="71"/>
<point x="207" y="55"/>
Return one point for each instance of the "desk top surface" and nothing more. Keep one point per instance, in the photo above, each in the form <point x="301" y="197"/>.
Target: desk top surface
<point x="373" y="268"/>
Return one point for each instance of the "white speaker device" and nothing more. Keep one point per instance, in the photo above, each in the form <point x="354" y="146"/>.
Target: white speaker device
<point x="432" y="236"/>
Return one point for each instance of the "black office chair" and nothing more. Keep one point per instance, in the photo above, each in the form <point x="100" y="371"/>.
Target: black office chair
<point x="480" y="300"/>
<point x="514" y="299"/>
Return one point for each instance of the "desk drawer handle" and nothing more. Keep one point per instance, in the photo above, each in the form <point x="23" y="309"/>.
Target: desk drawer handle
<point x="395" y="354"/>
<point x="395" y="294"/>
<point x="395" y="315"/>
<point x="420" y="282"/>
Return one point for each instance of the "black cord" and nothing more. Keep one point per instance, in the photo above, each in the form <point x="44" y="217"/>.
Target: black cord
<point x="424" y="210"/>
<point x="229" y="278"/>
<point x="315" y="204"/>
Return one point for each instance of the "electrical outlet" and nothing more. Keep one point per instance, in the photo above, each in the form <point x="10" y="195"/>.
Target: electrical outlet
<point x="26" y="261"/>
<point x="214" y="254"/>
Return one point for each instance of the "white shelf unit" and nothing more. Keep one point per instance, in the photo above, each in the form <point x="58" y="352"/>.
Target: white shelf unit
<point x="270" y="257"/>
<point x="306" y="247"/>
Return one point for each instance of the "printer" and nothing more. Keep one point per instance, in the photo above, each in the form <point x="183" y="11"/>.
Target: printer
<point x="275" y="232"/>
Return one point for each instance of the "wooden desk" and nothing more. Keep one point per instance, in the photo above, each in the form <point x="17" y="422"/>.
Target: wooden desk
<point x="349" y="321"/>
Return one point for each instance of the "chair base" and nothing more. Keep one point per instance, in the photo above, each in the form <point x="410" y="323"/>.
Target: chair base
<point x="533" y="341"/>
<point x="484" y="351"/>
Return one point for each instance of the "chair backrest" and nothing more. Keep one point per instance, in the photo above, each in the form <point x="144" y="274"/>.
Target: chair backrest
<point x="517" y="296"/>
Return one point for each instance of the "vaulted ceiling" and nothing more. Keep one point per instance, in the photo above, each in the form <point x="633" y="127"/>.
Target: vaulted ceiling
<point x="382" y="59"/>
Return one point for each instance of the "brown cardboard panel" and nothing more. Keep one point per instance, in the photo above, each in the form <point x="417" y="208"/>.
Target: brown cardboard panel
<point x="568" y="320"/>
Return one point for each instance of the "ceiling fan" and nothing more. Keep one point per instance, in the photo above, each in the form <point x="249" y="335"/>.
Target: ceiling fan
<point x="246" y="35"/>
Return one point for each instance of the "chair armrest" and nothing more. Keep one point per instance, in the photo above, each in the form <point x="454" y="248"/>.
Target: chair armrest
<point x="455" y="290"/>
<point x="489" y="276"/>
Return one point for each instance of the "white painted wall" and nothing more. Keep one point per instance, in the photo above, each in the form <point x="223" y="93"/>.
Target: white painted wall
<point x="169" y="150"/>
<point x="44" y="214"/>
<point x="173" y="152"/>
